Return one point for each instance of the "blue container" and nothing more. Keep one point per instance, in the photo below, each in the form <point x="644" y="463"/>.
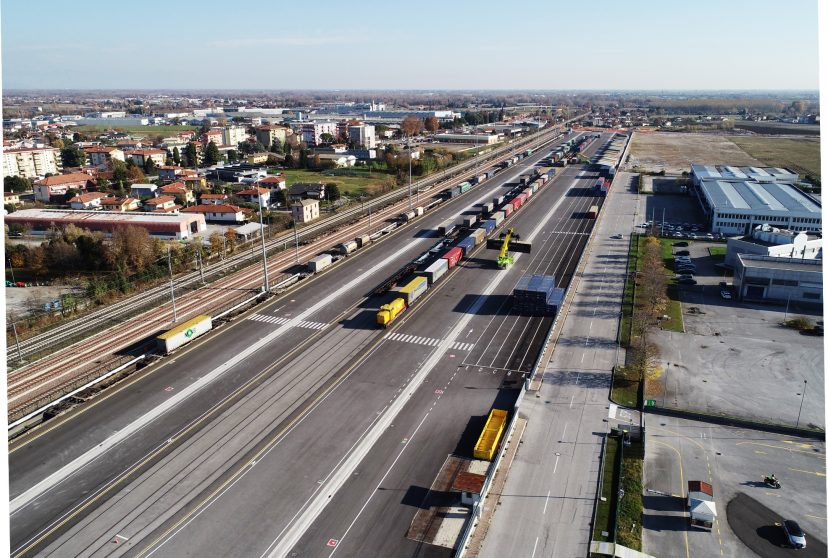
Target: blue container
<point x="489" y="226"/>
<point x="467" y="245"/>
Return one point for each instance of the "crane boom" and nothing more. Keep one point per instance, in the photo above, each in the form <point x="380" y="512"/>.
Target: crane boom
<point x="505" y="259"/>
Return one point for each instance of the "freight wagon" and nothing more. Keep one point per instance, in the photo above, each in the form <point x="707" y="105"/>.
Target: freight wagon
<point x="319" y="263"/>
<point x="490" y="437"/>
<point x="347" y="247"/>
<point x="184" y="333"/>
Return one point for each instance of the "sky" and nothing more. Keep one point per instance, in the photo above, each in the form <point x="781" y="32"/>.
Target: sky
<point x="423" y="44"/>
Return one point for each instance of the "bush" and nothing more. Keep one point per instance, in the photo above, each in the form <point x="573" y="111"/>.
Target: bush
<point x="800" y="323"/>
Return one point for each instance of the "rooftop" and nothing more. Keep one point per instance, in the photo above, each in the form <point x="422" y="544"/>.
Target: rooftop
<point x="97" y="216"/>
<point x="773" y="262"/>
<point x="726" y="172"/>
<point x="756" y="196"/>
<point x="65" y="179"/>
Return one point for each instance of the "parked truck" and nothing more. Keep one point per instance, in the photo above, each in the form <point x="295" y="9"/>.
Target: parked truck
<point x="700" y="504"/>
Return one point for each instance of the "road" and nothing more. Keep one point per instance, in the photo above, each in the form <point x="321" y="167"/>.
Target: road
<point x="224" y="422"/>
<point x="547" y="502"/>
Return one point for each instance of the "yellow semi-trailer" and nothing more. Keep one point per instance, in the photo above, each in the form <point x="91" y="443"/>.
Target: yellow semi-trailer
<point x="389" y="312"/>
<point x="414" y="289"/>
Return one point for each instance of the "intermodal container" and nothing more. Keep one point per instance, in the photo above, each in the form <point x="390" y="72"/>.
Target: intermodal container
<point x="389" y="312"/>
<point x="446" y="228"/>
<point x="453" y="256"/>
<point x="528" y="193"/>
<point x="466" y="245"/>
<point x="464" y="187"/>
<point x="489" y="226"/>
<point x="347" y="247"/>
<point x="498" y="217"/>
<point x="498" y="200"/>
<point x="414" y="289"/>
<point x="479" y="235"/>
<point x="435" y="271"/>
<point x="319" y="263"/>
<point x="535" y="185"/>
<point x="469" y="220"/>
<point x="488" y="208"/>
<point x="508" y="209"/>
<point x="481" y="178"/>
<point x="184" y="333"/>
<point x="486" y="445"/>
<point x="363" y="240"/>
<point x="593" y="212"/>
<point x="453" y="192"/>
<point x="407" y="216"/>
<point x="490" y="173"/>
<point x="419" y="211"/>
<point x="517" y="202"/>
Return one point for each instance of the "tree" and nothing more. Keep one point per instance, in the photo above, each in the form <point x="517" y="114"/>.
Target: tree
<point x="176" y="156"/>
<point x="276" y="146"/>
<point x="411" y="126"/>
<point x="70" y="193"/>
<point x="216" y="243"/>
<point x="135" y="174"/>
<point x="303" y="158"/>
<point x="432" y="124"/>
<point x="149" y="166"/>
<point x="73" y="156"/>
<point x="190" y="155"/>
<point x="232" y="156"/>
<point x="58" y="143"/>
<point x="211" y="154"/>
<point x="332" y="191"/>
<point x="119" y="171"/>
<point x="16" y="184"/>
<point x="130" y="249"/>
<point x="326" y="138"/>
<point x="380" y="129"/>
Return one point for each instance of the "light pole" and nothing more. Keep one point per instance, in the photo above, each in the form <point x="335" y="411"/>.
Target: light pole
<point x="11" y="267"/>
<point x="801" y="403"/>
<point x="296" y="239"/>
<point x="264" y="251"/>
<point x="172" y="286"/>
<point x="17" y="343"/>
<point x="409" y="172"/>
<point x="786" y="308"/>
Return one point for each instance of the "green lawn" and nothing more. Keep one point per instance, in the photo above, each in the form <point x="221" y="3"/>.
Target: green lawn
<point x="370" y="183"/>
<point x="625" y="387"/>
<point x="606" y="506"/>
<point x="631" y="506"/>
<point x="676" y="322"/>
<point x="717" y="251"/>
<point x="137" y="130"/>
<point x="629" y="292"/>
<point x="798" y="154"/>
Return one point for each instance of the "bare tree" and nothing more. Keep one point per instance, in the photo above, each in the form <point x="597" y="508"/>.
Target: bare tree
<point x="411" y="126"/>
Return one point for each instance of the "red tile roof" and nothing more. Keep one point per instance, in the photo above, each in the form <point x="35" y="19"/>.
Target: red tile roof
<point x="159" y="200"/>
<point x="88" y="197"/>
<point x="217" y="208"/>
<point x="65" y="179"/>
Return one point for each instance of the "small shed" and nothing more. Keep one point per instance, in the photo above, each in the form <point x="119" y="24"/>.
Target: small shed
<point x="470" y="485"/>
<point x="250" y="230"/>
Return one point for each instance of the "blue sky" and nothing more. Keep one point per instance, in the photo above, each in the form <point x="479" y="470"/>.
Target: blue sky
<point x="321" y="44"/>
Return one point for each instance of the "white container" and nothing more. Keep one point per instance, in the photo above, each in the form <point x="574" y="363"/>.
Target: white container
<point x="184" y="333"/>
<point x="319" y="263"/>
<point x="436" y="270"/>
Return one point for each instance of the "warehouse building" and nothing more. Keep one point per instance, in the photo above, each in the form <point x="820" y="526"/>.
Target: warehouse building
<point x="769" y="278"/>
<point x="738" y="174"/>
<point x="478" y="139"/>
<point x="160" y="225"/>
<point x="735" y="206"/>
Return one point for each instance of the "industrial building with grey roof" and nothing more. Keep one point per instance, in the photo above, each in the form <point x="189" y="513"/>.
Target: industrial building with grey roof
<point x="737" y="199"/>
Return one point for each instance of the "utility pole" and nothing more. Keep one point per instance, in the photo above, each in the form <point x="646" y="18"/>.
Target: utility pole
<point x="17" y="343"/>
<point x="786" y="308"/>
<point x="264" y="250"/>
<point x="172" y="285"/>
<point x="11" y="267"/>
<point x="200" y="264"/>
<point x="801" y="402"/>
<point x="409" y="172"/>
<point x="296" y="240"/>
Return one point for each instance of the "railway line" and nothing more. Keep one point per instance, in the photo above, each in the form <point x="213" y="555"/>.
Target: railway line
<point x="32" y="384"/>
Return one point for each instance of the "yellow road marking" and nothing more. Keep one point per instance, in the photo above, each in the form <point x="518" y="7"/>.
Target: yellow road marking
<point x="681" y="477"/>
<point x="802" y="451"/>
<point x="816" y="516"/>
<point x="817" y="473"/>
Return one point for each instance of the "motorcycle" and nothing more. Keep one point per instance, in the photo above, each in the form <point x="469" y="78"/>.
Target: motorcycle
<point x="772" y="482"/>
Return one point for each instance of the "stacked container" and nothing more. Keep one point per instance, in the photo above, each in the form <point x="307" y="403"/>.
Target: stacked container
<point x="536" y="295"/>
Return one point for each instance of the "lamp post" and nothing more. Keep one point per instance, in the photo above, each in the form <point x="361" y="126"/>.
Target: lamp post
<point x="409" y="172"/>
<point x="172" y="285"/>
<point x="11" y="268"/>
<point x="264" y="250"/>
<point x="802" y="401"/>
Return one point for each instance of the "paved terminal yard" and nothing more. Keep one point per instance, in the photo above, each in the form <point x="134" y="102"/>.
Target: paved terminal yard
<point x="320" y="383"/>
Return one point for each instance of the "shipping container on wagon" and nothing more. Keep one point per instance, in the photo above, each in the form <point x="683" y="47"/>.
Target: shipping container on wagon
<point x="363" y="240"/>
<point x="466" y="245"/>
<point x="419" y="211"/>
<point x="407" y="216"/>
<point x="436" y="270"/>
<point x="446" y="228"/>
<point x="488" y="208"/>
<point x="489" y="439"/>
<point x="319" y="263"/>
<point x="498" y="217"/>
<point x="414" y="289"/>
<point x="464" y="187"/>
<point x="453" y="256"/>
<point x="488" y="226"/>
<point x="184" y="333"/>
<point x="479" y="235"/>
<point x="347" y="247"/>
<point x="498" y="200"/>
<point x="508" y="209"/>
<point x="528" y="193"/>
<point x="469" y="220"/>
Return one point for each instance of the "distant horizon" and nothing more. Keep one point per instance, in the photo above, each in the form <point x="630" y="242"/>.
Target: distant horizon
<point x="257" y="45"/>
<point x="402" y="90"/>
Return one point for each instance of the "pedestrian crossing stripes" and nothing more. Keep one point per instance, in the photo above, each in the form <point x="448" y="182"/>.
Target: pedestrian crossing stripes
<point x="279" y="321"/>
<point x="427" y="341"/>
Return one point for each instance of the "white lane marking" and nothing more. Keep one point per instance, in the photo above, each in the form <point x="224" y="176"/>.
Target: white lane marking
<point x="535" y="549"/>
<point x="379" y="484"/>
<point x="572" y="399"/>
<point x="563" y="436"/>
<point x="547" y="498"/>
<point x="292" y="533"/>
<point x="90" y="455"/>
<point x="554" y="471"/>
<point x="281" y="320"/>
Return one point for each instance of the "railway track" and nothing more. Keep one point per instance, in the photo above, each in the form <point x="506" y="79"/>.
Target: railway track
<point x="37" y="380"/>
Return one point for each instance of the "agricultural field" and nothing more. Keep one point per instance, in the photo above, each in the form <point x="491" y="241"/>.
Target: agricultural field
<point x="778" y="128"/>
<point x="675" y="152"/>
<point x="138" y="131"/>
<point x="800" y="155"/>
<point x="352" y="186"/>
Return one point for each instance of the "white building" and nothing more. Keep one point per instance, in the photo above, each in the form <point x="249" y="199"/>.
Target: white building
<point x="305" y="210"/>
<point x="477" y="139"/>
<point x="233" y="135"/>
<point x="363" y="134"/>
<point x="784" y="280"/>
<point x="31" y="162"/>
<point x="312" y="132"/>
<point x="765" y="240"/>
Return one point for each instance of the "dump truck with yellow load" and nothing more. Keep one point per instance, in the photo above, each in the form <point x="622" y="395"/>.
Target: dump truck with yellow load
<point x="389" y="312"/>
<point x="490" y="437"/>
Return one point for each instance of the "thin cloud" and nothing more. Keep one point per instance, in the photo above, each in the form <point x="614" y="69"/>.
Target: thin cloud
<point x="282" y="41"/>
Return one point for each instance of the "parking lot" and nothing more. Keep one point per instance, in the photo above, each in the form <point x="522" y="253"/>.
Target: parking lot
<point x="733" y="461"/>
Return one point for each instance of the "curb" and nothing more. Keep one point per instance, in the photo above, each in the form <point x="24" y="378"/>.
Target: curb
<point x="737" y="422"/>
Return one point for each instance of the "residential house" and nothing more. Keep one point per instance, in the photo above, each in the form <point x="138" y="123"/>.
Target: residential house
<point x="140" y="156"/>
<point x="221" y="212"/>
<point x="255" y="195"/>
<point x="128" y="145"/>
<point x="169" y="172"/>
<point x="119" y="204"/>
<point x="165" y="204"/>
<point x="143" y="190"/>
<point x="102" y="156"/>
<point x="31" y="162"/>
<point x="273" y="182"/>
<point x="312" y="132"/>
<point x="363" y="134"/>
<point x="257" y="158"/>
<point x="305" y="190"/>
<point x="52" y="189"/>
<point x="90" y="200"/>
<point x="212" y="135"/>
<point x="304" y="211"/>
<point x="337" y="160"/>
<point x="266" y="134"/>
<point x="10" y="198"/>
<point x="194" y="182"/>
<point x="213" y="199"/>
<point x="178" y="190"/>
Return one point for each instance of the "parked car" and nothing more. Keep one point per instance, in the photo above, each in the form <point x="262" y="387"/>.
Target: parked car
<point x="687" y="281"/>
<point x="726" y="294"/>
<point x="687" y="272"/>
<point x="683" y="253"/>
<point x="617" y="236"/>
<point x="685" y="276"/>
<point x="796" y="538"/>
<point x="686" y="269"/>
<point x="679" y="244"/>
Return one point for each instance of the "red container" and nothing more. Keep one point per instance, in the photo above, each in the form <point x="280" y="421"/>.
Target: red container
<point x="517" y="202"/>
<point x="453" y="256"/>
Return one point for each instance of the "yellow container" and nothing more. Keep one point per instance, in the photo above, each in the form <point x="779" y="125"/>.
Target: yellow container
<point x="490" y="437"/>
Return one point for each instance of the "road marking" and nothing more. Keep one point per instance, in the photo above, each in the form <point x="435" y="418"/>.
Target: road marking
<point x="332" y="542"/>
<point x="547" y="499"/>
<point x="277" y="320"/>
<point x="806" y="452"/>
<point x="535" y="549"/>
<point x="555" y="469"/>
<point x="564" y="431"/>
<point x="427" y="341"/>
<point x="681" y="477"/>
<point x="808" y="472"/>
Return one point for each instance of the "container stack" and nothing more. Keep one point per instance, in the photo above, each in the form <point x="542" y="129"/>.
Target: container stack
<point x="536" y="295"/>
